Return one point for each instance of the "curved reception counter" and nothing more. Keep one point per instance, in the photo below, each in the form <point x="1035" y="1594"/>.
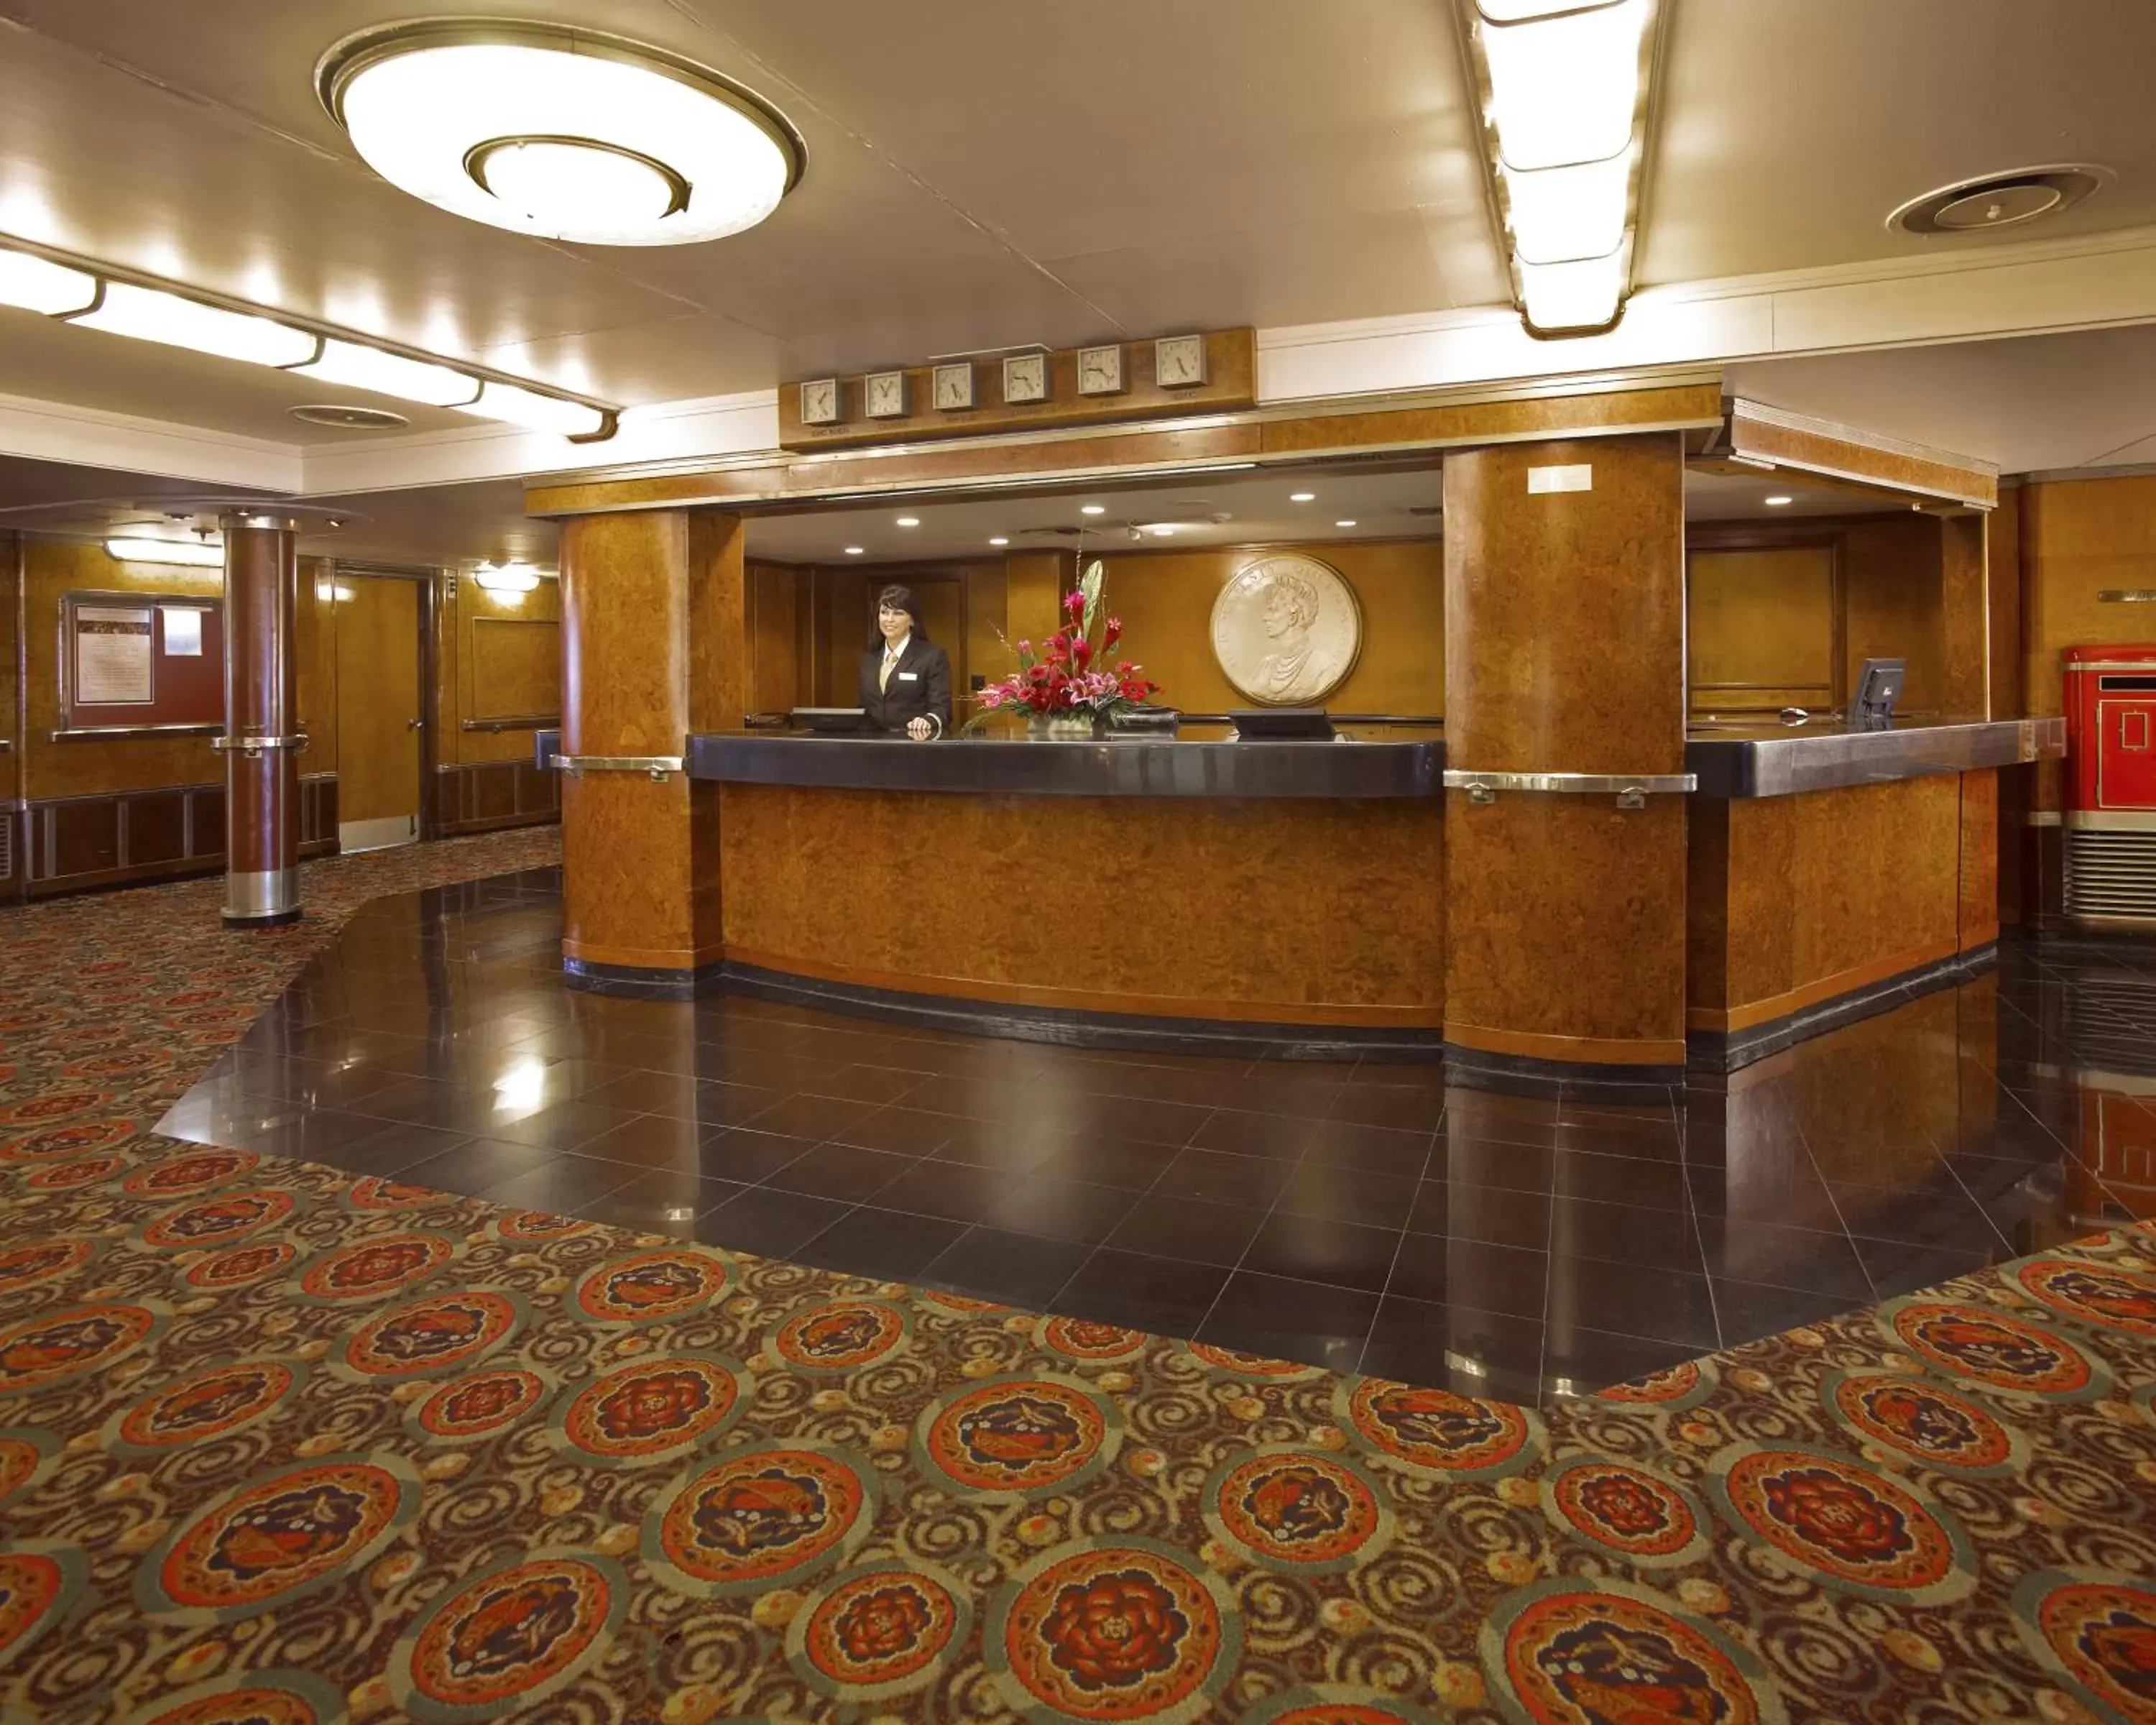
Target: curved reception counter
<point x="1200" y="893"/>
<point x="1176" y="892"/>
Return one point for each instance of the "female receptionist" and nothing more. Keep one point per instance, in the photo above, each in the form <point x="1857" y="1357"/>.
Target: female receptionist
<point x="906" y="677"/>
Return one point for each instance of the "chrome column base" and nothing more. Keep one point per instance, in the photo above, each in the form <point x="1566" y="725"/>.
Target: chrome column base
<point x="261" y="898"/>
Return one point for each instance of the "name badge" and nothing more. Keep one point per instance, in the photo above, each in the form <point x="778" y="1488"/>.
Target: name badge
<point x="909" y="677"/>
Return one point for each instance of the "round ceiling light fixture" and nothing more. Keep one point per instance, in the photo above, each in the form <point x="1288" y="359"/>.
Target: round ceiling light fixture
<point x="2005" y="200"/>
<point x="561" y="132"/>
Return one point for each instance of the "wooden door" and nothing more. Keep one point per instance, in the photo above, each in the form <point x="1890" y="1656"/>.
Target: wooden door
<point x="942" y="602"/>
<point x="379" y="711"/>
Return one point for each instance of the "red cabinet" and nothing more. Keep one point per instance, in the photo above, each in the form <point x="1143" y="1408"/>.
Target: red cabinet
<point x="2110" y="815"/>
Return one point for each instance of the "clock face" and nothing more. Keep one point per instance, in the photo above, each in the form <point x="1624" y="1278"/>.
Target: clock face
<point x="819" y="402"/>
<point x="1178" y="362"/>
<point x="953" y="387"/>
<point x="884" y="395"/>
<point x="1101" y="371"/>
<point x="1026" y="377"/>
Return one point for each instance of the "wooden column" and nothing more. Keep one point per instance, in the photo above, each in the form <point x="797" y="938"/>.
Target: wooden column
<point x="654" y="647"/>
<point x="1965" y="617"/>
<point x="1564" y="654"/>
<point x="259" y="744"/>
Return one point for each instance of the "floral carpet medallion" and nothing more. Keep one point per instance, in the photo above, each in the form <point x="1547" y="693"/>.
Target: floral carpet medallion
<point x="283" y="1446"/>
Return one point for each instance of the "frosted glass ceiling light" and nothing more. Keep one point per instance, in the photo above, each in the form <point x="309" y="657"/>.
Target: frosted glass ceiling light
<point x="509" y="578"/>
<point x="535" y="412"/>
<point x="561" y="132"/>
<point x="150" y="316"/>
<point x="1583" y="295"/>
<point x="1566" y="88"/>
<point x="35" y="285"/>
<point x="1560" y="213"/>
<point x="193" y="553"/>
<point x="358" y="367"/>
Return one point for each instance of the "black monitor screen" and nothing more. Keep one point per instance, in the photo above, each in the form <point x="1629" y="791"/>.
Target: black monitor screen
<point x="1278" y="721"/>
<point x="842" y="719"/>
<point x="1878" y="687"/>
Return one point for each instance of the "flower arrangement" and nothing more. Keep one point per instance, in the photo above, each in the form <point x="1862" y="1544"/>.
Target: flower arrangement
<point x="1071" y="678"/>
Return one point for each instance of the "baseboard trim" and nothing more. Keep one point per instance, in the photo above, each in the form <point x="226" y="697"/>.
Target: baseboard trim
<point x="1729" y="1050"/>
<point x="1076" y="1028"/>
<point x="1529" y="1075"/>
<point x="637" y="982"/>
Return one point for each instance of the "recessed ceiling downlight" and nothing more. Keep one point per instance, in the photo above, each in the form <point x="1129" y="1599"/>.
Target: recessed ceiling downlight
<point x="350" y="419"/>
<point x="2005" y="200"/>
<point x="558" y="131"/>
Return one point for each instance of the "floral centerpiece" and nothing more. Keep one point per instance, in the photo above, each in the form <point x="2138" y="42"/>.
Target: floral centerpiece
<point x="1073" y="685"/>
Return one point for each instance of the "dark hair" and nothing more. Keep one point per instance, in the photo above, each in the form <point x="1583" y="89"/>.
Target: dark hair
<point x="898" y="598"/>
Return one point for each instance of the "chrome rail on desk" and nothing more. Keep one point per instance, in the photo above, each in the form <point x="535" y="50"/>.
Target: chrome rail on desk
<point x="1789" y="764"/>
<point x="658" y="768"/>
<point x="1631" y="789"/>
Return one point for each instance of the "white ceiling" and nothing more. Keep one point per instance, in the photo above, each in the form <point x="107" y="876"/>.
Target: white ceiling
<point x="979" y="176"/>
<point x="1791" y="129"/>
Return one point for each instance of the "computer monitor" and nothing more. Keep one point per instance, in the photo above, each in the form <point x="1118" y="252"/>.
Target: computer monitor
<point x="1878" y="687"/>
<point x="833" y="721"/>
<point x="1310" y="723"/>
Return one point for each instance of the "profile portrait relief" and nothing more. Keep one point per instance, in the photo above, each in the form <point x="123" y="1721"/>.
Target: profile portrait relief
<point x="1286" y="631"/>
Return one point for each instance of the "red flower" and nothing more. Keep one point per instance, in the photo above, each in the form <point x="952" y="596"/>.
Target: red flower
<point x="1074" y="603"/>
<point x="1114" y="633"/>
<point x="1082" y="651"/>
<point x="1116" y="1630"/>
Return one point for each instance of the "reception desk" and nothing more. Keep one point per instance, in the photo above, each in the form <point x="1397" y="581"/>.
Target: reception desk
<point x="1185" y="891"/>
<point x="1833" y="874"/>
<point x="1193" y="891"/>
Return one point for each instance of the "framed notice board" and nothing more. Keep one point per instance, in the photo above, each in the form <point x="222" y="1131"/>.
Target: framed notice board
<point x="132" y="661"/>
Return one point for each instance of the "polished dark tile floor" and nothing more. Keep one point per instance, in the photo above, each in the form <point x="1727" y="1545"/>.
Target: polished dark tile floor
<point x="1355" y="1215"/>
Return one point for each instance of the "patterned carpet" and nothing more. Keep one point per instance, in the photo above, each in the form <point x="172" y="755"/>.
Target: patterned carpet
<point x="281" y="1446"/>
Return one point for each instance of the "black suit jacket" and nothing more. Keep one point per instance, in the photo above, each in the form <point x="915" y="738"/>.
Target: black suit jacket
<point x="920" y="687"/>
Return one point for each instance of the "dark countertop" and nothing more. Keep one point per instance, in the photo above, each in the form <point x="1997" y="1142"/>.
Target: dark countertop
<point x="1200" y="761"/>
<point x="1774" y="760"/>
<point x="1731" y="760"/>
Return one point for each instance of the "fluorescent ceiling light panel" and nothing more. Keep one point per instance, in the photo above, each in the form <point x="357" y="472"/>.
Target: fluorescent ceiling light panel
<point x="1581" y="295"/>
<point x="34" y="285"/>
<point x="193" y="553"/>
<point x="1565" y="90"/>
<point x="562" y="133"/>
<point x="358" y="367"/>
<point x="534" y="412"/>
<point x="1560" y="213"/>
<point x="149" y="315"/>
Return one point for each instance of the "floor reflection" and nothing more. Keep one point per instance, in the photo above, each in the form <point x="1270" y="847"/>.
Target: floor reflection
<point x="1355" y="1215"/>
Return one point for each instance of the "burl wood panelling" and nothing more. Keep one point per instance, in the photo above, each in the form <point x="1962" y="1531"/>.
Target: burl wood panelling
<point x="1895" y="607"/>
<point x="51" y="570"/>
<point x="1565" y="921"/>
<point x="1796" y="900"/>
<point x="1138" y="450"/>
<point x="1844" y="452"/>
<point x="1764" y="628"/>
<point x="1291" y="912"/>
<point x="1564" y="653"/>
<point x="1166" y="600"/>
<point x="654" y="646"/>
<point x="11" y="592"/>
<point x="2078" y="538"/>
<point x="1979" y="859"/>
<point x="507" y="665"/>
<point x="1565" y="611"/>
<point x="1965" y="618"/>
<point x="774" y="628"/>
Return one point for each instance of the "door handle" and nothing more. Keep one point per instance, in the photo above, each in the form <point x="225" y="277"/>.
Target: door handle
<point x="414" y="724"/>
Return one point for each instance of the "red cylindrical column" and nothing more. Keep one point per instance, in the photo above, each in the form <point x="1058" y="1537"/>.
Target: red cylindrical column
<point x="261" y="752"/>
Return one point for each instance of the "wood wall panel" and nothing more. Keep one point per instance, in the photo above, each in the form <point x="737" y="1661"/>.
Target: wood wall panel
<point x="2080" y="537"/>
<point x="1798" y="899"/>
<point x="1566" y="928"/>
<point x="503" y="660"/>
<point x="72" y="844"/>
<point x="1979" y="859"/>
<point x="52" y="569"/>
<point x="1965" y="618"/>
<point x="775" y="591"/>
<point x="1763" y="628"/>
<point x="654" y="615"/>
<point x="1894" y="606"/>
<point x="1564" y="653"/>
<point x="1291" y="912"/>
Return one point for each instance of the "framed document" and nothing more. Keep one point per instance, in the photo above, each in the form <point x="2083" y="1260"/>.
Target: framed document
<point x="135" y="663"/>
<point x="115" y="652"/>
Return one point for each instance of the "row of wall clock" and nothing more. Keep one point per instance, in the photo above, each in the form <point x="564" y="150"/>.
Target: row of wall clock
<point x="1179" y="363"/>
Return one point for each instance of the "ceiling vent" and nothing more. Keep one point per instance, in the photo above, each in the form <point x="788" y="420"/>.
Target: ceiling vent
<point x="352" y="418"/>
<point x="2007" y="200"/>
